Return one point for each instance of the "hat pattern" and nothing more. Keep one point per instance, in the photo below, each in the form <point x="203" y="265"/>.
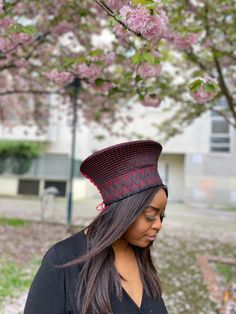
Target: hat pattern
<point x="129" y="184"/>
<point x="124" y="169"/>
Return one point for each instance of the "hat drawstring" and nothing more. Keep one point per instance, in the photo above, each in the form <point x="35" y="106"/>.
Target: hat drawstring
<point x="101" y="207"/>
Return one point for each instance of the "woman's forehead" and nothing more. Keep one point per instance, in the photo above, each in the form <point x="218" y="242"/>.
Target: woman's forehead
<point x="159" y="200"/>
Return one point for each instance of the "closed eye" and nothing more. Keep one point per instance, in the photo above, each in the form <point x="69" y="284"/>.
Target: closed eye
<point x="154" y="218"/>
<point x="149" y="218"/>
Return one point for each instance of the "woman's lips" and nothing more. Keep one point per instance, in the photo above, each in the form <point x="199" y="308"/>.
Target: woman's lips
<point x="151" y="237"/>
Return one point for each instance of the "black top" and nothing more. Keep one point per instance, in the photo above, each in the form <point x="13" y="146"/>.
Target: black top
<point x="53" y="289"/>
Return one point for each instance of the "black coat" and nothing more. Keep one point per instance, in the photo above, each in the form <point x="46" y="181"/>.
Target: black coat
<point x="53" y="289"/>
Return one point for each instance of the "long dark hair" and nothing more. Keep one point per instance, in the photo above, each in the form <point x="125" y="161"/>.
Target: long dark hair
<point x="99" y="277"/>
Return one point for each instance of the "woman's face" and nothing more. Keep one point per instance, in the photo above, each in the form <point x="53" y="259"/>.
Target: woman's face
<point x="144" y="229"/>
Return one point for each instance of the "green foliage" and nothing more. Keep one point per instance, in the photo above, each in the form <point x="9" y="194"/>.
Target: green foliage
<point x="193" y="86"/>
<point x="150" y="4"/>
<point x="20" y="149"/>
<point x="18" y="28"/>
<point x="99" y="82"/>
<point x="137" y="58"/>
<point x="226" y="271"/>
<point x="141" y="56"/>
<point x="210" y="87"/>
<point x="20" y="155"/>
<point x="97" y="116"/>
<point x="230" y="209"/>
<point x="95" y="52"/>
<point x="150" y="58"/>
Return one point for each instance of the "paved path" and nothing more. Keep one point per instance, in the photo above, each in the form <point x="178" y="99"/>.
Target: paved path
<point x="195" y="217"/>
<point x="30" y="208"/>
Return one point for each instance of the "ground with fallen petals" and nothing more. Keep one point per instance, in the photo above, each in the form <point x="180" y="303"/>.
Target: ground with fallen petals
<point x="186" y="235"/>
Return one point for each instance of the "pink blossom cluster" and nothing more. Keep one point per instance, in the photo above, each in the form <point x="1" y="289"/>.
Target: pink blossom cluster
<point x="62" y="28"/>
<point x="7" y="44"/>
<point x="107" y="58"/>
<point x="20" y="63"/>
<point x="1" y="6"/>
<point x="83" y="71"/>
<point x="156" y="26"/>
<point x="5" y="22"/>
<point x="202" y="95"/>
<point x="149" y="101"/>
<point x="103" y="88"/>
<point x="121" y="34"/>
<point x="60" y="78"/>
<point x="20" y="38"/>
<point x="115" y="5"/>
<point x="146" y="70"/>
<point x="90" y="72"/>
<point x="4" y="82"/>
<point x="185" y="42"/>
<point x="142" y="22"/>
<point x="207" y="43"/>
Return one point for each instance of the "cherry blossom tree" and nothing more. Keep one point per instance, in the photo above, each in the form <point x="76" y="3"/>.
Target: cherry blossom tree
<point x="177" y="54"/>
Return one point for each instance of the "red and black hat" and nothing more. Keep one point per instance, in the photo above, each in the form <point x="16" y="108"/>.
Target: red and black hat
<point x="124" y="169"/>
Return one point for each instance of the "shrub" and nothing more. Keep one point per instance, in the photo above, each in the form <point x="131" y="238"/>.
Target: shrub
<point x="20" y="155"/>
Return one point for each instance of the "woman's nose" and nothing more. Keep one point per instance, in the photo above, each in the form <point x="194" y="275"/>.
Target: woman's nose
<point x="157" y="224"/>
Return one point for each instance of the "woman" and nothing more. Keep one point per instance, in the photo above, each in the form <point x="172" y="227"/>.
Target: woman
<point x="107" y="267"/>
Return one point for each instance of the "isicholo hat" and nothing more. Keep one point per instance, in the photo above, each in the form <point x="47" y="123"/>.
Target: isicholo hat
<point x="122" y="170"/>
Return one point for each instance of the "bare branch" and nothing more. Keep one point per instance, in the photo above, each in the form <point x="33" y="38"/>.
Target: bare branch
<point x="222" y="114"/>
<point x="31" y="91"/>
<point x="194" y="58"/>
<point x="224" y="86"/>
<point x="221" y="79"/>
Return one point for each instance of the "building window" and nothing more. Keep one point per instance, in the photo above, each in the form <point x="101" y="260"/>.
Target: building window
<point x="28" y="187"/>
<point x="59" y="185"/>
<point x="220" y="131"/>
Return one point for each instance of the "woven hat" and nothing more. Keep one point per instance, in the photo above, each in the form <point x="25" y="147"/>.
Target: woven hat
<point x="124" y="169"/>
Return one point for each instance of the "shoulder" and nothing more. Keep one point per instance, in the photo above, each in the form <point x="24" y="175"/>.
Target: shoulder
<point x="67" y="249"/>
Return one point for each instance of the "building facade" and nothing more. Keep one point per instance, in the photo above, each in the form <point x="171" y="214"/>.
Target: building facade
<point x="198" y="166"/>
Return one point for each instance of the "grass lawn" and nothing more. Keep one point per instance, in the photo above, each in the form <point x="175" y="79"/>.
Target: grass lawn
<point x="227" y="272"/>
<point x="15" y="222"/>
<point x="22" y="245"/>
<point x="14" y="279"/>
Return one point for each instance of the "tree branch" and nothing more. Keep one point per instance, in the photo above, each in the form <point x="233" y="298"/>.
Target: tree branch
<point x="112" y="14"/>
<point x="31" y="91"/>
<point x="221" y="80"/>
<point x="194" y="58"/>
<point x="224" y="86"/>
<point x="219" y="112"/>
<point x="10" y="6"/>
<point x="37" y="42"/>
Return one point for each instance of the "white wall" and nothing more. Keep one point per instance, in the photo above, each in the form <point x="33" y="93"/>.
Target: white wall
<point x="174" y="165"/>
<point x="8" y="186"/>
<point x="195" y="138"/>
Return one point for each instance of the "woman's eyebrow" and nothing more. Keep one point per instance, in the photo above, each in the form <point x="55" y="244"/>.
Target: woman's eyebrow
<point x="153" y="207"/>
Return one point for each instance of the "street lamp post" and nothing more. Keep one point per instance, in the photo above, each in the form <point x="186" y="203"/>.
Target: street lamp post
<point x="73" y="91"/>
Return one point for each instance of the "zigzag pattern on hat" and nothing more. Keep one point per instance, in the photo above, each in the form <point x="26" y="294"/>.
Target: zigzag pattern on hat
<point x="129" y="183"/>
